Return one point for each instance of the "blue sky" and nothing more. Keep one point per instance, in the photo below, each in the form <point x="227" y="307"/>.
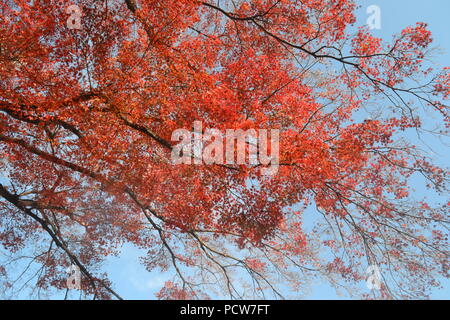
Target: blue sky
<point x="134" y="282"/>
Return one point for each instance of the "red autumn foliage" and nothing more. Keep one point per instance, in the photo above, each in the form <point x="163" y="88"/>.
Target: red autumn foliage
<point x="86" y="118"/>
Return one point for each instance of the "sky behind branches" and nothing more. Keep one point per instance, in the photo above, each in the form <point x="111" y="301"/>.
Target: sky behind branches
<point x="130" y="278"/>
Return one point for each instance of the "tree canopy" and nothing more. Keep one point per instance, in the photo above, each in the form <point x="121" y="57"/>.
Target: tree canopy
<point x="87" y="114"/>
